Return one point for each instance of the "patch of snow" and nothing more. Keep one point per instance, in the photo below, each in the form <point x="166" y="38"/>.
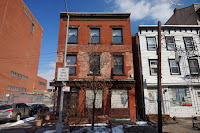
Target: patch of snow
<point x="96" y="130"/>
<point x="87" y="125"/>
<point x="21" y="121"/>
<point x="50" y="131"/>
<point x="118" y="129"/>
<point x="17" y="123"/>
<point x="142" y="123"/>
<point x="54" y="131"/>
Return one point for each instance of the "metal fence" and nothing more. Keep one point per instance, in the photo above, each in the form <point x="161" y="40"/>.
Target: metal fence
<point x="10" y="98"/>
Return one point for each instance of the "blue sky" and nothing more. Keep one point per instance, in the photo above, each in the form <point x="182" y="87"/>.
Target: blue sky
<point x="143" y="12"/>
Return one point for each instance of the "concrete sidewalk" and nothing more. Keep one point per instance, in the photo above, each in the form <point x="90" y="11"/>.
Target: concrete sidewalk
<point x="183" y="126"/>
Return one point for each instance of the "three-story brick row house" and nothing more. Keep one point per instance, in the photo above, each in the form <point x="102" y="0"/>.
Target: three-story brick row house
<point x="100" y="48"/>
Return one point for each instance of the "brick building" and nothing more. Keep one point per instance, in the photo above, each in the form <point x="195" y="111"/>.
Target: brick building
<point x="99" y="44"/>
<point x="20" y="42"/>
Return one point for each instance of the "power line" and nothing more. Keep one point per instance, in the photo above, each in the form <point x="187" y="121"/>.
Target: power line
<point x="31" y="55"/>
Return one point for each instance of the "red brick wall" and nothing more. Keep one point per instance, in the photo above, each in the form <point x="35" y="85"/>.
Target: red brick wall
<point x="82" y="48"/>
<point x="106" y="51"/>
<point x="39" y="87"/>
<point x="20" y="49"/>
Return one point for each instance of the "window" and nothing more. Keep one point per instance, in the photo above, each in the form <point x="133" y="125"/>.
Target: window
<point x="73" y="35"/>
<point x="74" y="98"/>
<point x="174" y="67"/>
<point x="41" y="83"/>
<point x="194" y="66"/>
<point x="179" y="96"/>
<point x="118" y="61"/>
<point x="15" y="74"/>
<point x="119" y="98"/>
<point x="32" y="27"/>
<point x="15" y="88"/>
<point x="90" y="97"/>
<point x="170" y="43"/>
<point x="151" y="43"/>
<point x="71" y="99"/>
<point x="153" y="66"/>
<point x="71" y="60"/>
<point x="94" y="64"/>
<point x="117" y="36"/>
<point x="95" y="35"/>
<point x="189" y="45"/>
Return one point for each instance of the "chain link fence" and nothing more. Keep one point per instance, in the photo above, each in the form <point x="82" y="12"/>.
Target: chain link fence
<point x="32" y="98"/>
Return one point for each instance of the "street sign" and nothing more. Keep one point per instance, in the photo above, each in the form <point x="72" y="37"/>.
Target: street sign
<point x="66" y="88"/>
<point x="63" y="74"/>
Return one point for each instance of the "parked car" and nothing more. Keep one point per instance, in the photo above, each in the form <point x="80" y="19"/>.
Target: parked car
<point x="35" y="107"/>
<point x="14" y="111"/>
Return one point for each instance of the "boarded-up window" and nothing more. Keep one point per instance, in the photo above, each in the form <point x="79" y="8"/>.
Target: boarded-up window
<point x="119" y="99"/>
<point x="90" y="97"/>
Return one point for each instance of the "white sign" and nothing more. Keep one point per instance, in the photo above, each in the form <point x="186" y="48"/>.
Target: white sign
<point x="63" y="74"/>
<point x="66" y="88"/>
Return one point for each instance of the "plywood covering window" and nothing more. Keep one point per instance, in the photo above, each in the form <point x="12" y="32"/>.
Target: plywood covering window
<point x="119" y="99"/>
<point x="90" y="97"/>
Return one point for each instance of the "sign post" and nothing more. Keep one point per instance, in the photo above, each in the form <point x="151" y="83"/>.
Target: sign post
<point x="59" y="126"/>
<point x="63" y="75"/>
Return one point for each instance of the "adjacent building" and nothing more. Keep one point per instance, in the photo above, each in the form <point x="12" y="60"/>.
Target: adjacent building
<point x="180" y="68"/>
<point x="186" y="16"/>
<point x="20" y="43"/>
<point x="100" y="50"/>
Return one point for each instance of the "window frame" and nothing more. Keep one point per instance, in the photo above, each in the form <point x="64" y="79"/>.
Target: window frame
<point x="150" y="67"/>
<point x="118" y="43"/>
<point x="99" y="42"/>
<point x="123" y="71"/>
<point x="32" y="28"/>
<point x="170" y="67"/>
<point x="99" y="71"/>
<point x="148" y="48"/>
<point x="75" y="65"/>
<point x="166" y="37"/>
<point x="76" y="37"/>
<point x="186" y="47"/>
<point x="69" y="95"/>
<point x="194" y="67"/>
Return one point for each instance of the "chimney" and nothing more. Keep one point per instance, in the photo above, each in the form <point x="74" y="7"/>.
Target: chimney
<point x="176" y="9"/>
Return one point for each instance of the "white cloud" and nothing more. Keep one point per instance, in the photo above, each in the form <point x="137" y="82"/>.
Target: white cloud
<point x="108" y="1"/>
<point x="52" y="64"/>
<point x="145" y="9"/>
<point x="49" y="75"/>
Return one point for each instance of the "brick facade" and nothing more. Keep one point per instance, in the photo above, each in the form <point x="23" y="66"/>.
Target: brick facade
<point x="84" y="22"/>
<point x="20" y="37"/>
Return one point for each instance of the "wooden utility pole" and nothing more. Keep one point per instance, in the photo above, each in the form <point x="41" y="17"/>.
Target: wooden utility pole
<point x="159" y="80"/>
